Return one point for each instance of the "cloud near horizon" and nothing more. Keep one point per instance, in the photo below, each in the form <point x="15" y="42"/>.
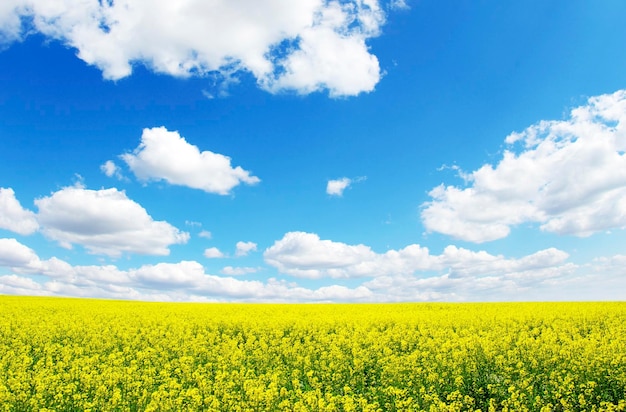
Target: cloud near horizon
<point x="455" y="275"/>
<point x="304" y="46"/>
<point x="568" y="176"/>
<point x="181" y="281"/>
<point x="305" y="255"/>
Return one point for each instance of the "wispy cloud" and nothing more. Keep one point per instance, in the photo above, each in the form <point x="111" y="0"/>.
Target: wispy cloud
<point x="238" y="271"/>
<point x="205" y="234"/>
<point x="110" y="169"/>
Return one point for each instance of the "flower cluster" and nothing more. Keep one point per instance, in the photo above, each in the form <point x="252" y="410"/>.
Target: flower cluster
<point x="72" y="354"/>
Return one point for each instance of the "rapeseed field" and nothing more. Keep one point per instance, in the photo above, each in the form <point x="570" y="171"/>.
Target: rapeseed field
<point x="97" y="355"/>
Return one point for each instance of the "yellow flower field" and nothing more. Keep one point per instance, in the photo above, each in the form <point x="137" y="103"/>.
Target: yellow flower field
<point x="75" y="355"/>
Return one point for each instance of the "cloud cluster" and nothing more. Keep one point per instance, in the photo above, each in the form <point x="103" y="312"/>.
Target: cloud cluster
<point x="569" y="176"/>
<point x="105" y="222"/>
<point x="305" y="46"/>
<point x="185" y="280"/>
<point x="165" y="155"/>
<point x="241" y="249"/>
<point x="305" y="255"/>
<point x="457" y="274"/>
<point x="462" y="275"/>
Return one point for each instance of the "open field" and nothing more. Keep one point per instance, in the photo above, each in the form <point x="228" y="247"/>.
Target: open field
<point x="74" y="355"/>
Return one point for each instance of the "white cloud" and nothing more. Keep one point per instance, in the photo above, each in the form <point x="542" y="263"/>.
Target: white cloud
<point x="110" y="169"/>
<point x="569" y="176"/>
<point x="15" y="254"/>
<point x="13" y="217"/>
<point x="165" y="155"/>
<point x="213" y="253"/>
<point x="305" y="255"/>
<point x="461" y="262"/>
<point x="306" y="45"/>
<point x="468" y="276"/>
<point x="336" y="187"/>
<point x="238" y="271"/>
<point x="184" y="273"/>
<point x="332" y="56"/>
<point x="399" y="5"/>
<point x="243" y="248"/>
<point x="182" y="281"/>
<point x="10" y="21"/>
<point x="105" y="222"/>
<point x="205" y="234"/>
<point x="19" y="285"/>
<point x="340" y="293"/>
<point x="613" y="264"/>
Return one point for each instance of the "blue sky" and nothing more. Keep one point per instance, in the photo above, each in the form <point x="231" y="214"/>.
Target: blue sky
<point x="313" y="151"/>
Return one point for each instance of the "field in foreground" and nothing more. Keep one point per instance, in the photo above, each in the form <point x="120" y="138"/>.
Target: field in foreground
<point x="75" y="355"/>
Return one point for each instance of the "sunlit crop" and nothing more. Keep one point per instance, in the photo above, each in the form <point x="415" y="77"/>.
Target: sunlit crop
<point x="75" y="355"/>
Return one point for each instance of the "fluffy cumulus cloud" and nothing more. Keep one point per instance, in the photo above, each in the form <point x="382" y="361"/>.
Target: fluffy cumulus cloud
<point x="169" y="274"/>
<point x="305" y="255"/>
<point x="243" y="248"/>
<point x="15" y="254"/>
<point x="457" y="274"/>
<point x="180" y="281"/>
<point x="305" y="46"/>
<point x="337" y="186"/>
<point x="10" y="21"/>
<point x="213" y="253"/>
<point x="330" y="54"/>
<point x="568" y="176"/>
<point x="105" y="222"/>
<point x="165" y="155"/>
<point x="13" y="217"/>
<point x="464" y="275"/>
